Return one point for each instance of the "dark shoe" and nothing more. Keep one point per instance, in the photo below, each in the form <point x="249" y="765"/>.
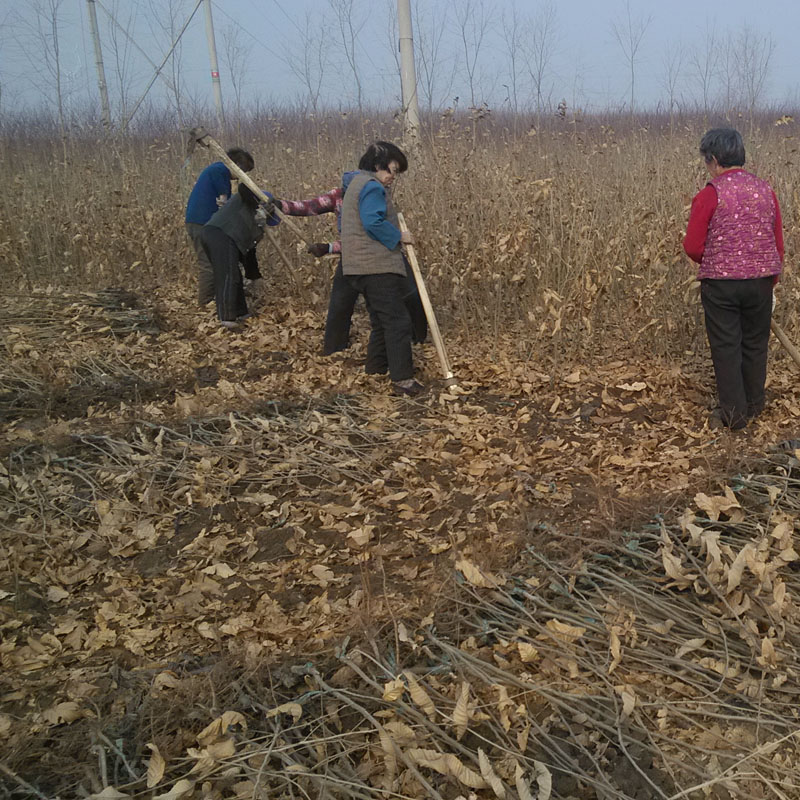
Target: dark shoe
<point x="717" y="421"/>
<point x="410" y="388"/>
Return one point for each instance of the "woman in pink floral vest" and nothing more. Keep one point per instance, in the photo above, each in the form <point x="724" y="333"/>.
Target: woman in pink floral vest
<point x="736" y="237"/>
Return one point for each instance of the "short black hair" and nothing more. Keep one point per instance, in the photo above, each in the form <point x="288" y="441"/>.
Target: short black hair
<point x="724" y="144"/>
<point x="241" y="158"/>
<point x="380" y="154"/>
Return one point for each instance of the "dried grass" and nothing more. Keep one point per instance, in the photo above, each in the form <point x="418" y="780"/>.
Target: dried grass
<point x="571" y="232"/>
<point x="188" y="517"/>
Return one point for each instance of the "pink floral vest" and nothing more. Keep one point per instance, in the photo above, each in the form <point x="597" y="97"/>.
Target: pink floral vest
<point x="740" y="242"/>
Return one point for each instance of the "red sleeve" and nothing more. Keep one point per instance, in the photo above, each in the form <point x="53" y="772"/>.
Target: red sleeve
<point x="323" y="204"/>
<point x="703" y="207"/>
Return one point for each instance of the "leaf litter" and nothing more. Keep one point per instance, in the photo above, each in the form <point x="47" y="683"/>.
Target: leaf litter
<point x="190" y="544"/>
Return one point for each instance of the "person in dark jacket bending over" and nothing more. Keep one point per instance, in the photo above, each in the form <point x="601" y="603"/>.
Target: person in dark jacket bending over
<point x="230" y="233"/>
<point x="373" y="264"/>
<point x="211" y="191"/>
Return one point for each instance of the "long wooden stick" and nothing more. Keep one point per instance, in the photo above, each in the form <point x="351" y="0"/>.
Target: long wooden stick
<point x="784" y="340"/>
<point x="289" y="268"/>
<point x="206" y="140"/>
<point x="449" y="379"/>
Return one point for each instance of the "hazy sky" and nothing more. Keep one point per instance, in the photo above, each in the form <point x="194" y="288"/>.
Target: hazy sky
<point x="587" y="66"/>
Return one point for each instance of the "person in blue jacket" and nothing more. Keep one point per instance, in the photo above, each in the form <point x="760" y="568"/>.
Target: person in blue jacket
<point x="373" y="263"/>
<point x="211" y="191"/>
<point x="343" y="296"/>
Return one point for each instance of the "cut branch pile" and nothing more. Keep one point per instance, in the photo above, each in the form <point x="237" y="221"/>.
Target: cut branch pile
<point x="47" y="368"/>
<point x="664" y="667"/>
<point x="171" y="564"/>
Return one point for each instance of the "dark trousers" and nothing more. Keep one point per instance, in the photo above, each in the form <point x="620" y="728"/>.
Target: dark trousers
<point x="205" y="272"/>
<point x="224" y="256"/>
<point x="343" y="300"/>
<point x="738" y="315"/>
<point x="389" y="347"/>
<point x="249" y="262"/>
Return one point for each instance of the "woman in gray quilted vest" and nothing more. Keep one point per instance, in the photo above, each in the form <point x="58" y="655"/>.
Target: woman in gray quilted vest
<point x="372" y="262"/>
<point x="233" y="231"/>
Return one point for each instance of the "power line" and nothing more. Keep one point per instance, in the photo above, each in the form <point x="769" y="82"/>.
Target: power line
<point x="161" y="65"/>
<point x="280" y="8"/>
<point x="249" y="33"/>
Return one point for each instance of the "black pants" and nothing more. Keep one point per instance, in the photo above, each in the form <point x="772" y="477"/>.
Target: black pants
<point x="249" y="262"/>
<point x="389" y="348"/>
<point x="224" y="256"/>
<point x="205" y="272"/>
<point x="343" y="300"/>
<point x="738" y="316"/>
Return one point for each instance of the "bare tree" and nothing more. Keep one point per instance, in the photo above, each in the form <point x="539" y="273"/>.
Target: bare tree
<point x="629" y="33"/>
<point x="541" y="37"/>
<point x="513" y="36"/>
<point x="672" y="66"/>
<point x="309" y="62"/>
<point x="473" y="18"/>
<point x="703" y="61"/>
<point x="120" y="46"/>
<point x="166" y="21"/>
<point x="434" y="76"/>
<point x="236" y="57"/>
<point x="726" y="68"/>
<point x="40" y="45"/>
<point x="753" y="55"/>
<point x="349" y="28"/>
<point x="393" y="33"/>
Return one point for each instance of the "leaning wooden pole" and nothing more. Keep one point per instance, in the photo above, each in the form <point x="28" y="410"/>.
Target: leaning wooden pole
<point x="784" y="340"/>
<point x="449" y="379"/>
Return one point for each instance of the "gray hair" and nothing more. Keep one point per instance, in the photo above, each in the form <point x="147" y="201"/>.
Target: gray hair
<point x="724" y="144"/>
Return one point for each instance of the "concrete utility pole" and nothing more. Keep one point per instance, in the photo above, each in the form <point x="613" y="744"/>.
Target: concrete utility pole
<point x="98" y="60"/>
<point x="408" y="72"/>
<point x="212" y="55"/>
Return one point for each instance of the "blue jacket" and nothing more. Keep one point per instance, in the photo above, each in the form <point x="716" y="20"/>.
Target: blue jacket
<point x="213" y="181"/>
<point x="372" y="211"/>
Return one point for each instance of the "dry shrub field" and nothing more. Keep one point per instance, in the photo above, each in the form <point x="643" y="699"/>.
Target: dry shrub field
<point x="233" y="568"/>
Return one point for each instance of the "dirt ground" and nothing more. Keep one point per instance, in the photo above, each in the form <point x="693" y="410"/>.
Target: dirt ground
<point x="176" y="497"/>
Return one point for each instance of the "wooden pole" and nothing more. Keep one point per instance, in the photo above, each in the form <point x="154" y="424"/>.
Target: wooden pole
<point x="784" y="340"/>
<point x="408" y="75"/>
<point x="212" y="57"/>
<point x="102" y="86"/>
<point x="449" y="379"/>
<point x="203" y="138"/>
<point x="289" y="268"/>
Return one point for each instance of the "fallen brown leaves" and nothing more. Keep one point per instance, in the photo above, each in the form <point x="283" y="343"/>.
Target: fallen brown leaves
<point x="175" y="496"/>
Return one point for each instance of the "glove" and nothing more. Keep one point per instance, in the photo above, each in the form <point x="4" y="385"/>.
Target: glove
<point x="319" y="249"/>
<point x="278" y="203"/>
